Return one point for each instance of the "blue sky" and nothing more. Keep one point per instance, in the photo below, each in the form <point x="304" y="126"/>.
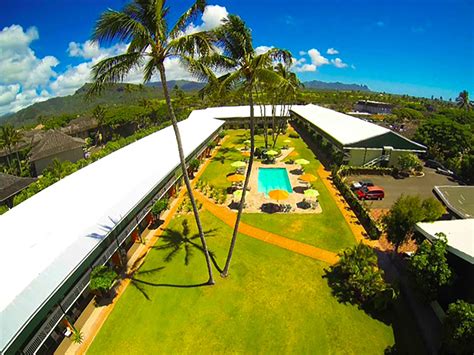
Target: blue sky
<point x="419" y="48"/>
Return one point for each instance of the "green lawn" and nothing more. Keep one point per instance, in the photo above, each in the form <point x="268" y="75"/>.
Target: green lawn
<point x="327" y="230"/>
<point x="274" y="301"/>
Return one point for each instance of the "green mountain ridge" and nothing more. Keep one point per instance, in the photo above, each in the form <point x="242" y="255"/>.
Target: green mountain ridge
<point x="123" y="94"/>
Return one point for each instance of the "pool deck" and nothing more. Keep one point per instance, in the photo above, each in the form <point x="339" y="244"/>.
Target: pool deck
<point x="255" y="199"/>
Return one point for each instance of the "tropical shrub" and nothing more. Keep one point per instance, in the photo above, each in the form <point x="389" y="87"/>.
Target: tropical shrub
<point x="429" y="267"/>
<point x="293" y="135"/>
<point x="409" y="162"/>
<point x="356" y="278"/>
<point x="101" y="279"/>
<point x="400" y="221"/>
<point x="159" y="207"/>
<point x="194" y="164"/>
<point x="459" y="328"/>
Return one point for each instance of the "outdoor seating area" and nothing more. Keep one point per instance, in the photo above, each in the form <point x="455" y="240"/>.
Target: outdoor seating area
<point x="277" y="183"/>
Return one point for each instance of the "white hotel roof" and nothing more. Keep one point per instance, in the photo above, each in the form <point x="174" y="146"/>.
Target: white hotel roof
<point x="47" y="236"/>
<point x="343" y="128"/>
<point x="459" y="232"/>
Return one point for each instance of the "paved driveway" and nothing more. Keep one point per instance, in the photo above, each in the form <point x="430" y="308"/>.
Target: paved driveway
<point x="394" y="188"/>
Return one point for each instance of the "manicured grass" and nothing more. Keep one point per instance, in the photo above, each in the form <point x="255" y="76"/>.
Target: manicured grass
<point x="274" y="301"/>
<point x="327" y="230"/>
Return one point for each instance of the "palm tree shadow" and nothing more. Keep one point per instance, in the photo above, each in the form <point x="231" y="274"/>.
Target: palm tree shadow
<point x="137" y="283"/>
<point x="175" y="241"/>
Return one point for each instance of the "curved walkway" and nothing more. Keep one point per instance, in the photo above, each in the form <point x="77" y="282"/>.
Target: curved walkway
<point x="229" y="217"/>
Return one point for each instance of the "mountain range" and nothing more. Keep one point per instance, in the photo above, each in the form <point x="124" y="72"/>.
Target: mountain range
<point x="120" y="94"/>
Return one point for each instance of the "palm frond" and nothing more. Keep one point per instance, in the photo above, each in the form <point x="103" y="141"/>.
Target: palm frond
<point x="196" y="44"/>
<point x="192" y="13"/>
<point x="122" y="26"/>
<point x="112" y="70"/>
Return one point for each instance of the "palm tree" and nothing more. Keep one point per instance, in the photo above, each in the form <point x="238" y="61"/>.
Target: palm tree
<point x="463" y="100"/>
<point x="284" y="94"/>
<point x="144" y="24"/>
<point x="99" y="114"/>
<point x="9" y="138"/>
<point x="247" y="70"/>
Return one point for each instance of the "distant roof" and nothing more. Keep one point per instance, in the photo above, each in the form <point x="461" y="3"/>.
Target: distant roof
<point x="54" y="142"/>
<point x="349" y="130"/>
<point x="80" y="124"/>
<point x="11" y="185"/>
<point x="458" y="199"/>
<point x="69" y="219"/>
<point x="459" y="232"/>
<point x="378" y="103"/>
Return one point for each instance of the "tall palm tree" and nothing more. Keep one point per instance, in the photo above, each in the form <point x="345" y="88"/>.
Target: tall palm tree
<point x="246" y="69"/>
<point x="463" y="100"/>
<point x="9" y="138"/>
<point x="144" y="24"/>
<point x="284" y="94"/>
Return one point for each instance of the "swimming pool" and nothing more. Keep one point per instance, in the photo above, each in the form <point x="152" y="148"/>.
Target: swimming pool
<point x="273" y="179"/>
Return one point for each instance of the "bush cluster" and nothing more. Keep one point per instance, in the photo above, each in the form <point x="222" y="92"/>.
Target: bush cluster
<point x="373" y="229"/>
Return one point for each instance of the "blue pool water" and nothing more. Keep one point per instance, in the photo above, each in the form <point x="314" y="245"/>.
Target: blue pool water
<point x="273" y="179"/>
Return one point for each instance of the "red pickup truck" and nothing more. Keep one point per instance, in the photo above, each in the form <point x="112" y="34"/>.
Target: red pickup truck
<point x="370" y="193"/>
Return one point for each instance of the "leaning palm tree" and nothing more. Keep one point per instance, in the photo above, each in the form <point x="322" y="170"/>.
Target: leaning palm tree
<point x="247" y="69"/>
<point x="463" y="100"/>
<point x="9" y="138"/>
<point x="144" y="25"/>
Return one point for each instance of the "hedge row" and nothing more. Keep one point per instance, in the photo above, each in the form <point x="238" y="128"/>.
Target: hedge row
<point x="360" y="170"/>
<point x="373" y="229"/>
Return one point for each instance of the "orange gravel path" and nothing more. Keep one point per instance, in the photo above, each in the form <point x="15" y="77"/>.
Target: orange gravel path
<point x="351" y="219"/>
<point x="229" y="217"/>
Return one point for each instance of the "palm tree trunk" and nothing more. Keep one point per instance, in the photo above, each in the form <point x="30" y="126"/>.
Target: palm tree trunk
<point x="225" y="272"/>
<point x="185" y="172"/>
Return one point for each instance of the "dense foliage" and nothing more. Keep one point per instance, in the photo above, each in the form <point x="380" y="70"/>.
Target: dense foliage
<point x="102" y="278"/>
<point x="356" y="278"/>
<point x="459" y="328"/>
<point x="409" y="162"/>
<point x="429" y="267"/>
<point x="405" y="213"/>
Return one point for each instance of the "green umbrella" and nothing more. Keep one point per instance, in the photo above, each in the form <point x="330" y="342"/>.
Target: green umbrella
<point x="237" y="194"/>
<point x="301" y="161"/>
<point x="312" y="193"/>
<point x="238" y="164"/>
<point x="272" y="152"/>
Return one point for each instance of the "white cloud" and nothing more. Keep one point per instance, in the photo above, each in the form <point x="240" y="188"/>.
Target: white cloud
<point x="212" y="17"/>
<point x="23" y="76"/>
<point x="262" y="49"/>
<point x="316" y="58"/>
<point x="338" y="63"/>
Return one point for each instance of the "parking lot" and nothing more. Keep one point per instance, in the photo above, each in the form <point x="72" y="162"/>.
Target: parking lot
<point x="394" y="188"/>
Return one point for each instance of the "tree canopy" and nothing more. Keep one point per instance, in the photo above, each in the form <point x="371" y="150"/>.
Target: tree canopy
<point x="405" y="213"/>
<point x="429" y="267"/>
<point x="459" y="327"/>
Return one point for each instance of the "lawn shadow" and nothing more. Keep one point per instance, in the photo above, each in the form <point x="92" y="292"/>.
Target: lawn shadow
<point x="175" y="241"/>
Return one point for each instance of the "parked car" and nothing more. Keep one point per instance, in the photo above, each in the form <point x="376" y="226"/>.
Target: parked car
<point x="356" y="185"/>
<point x="434" y="164"/>
<point x="444" y="171"/>
<point x="370" y="193"/>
